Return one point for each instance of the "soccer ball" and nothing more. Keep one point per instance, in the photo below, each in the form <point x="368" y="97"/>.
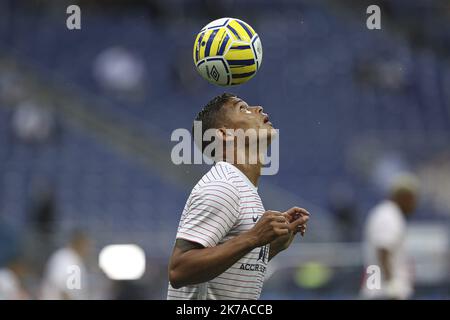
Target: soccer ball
<point x="227" y="52"/>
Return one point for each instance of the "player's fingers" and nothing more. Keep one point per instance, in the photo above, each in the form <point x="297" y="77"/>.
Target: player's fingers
<point x="281" y="232"/>
<point x="296" y="211"/>
<point x="301" y="229"/>
<point x="270" y="214"/>
<point x="300" y="221"/>
<point x="280" y="225"/>
<point x="280" y="219"/>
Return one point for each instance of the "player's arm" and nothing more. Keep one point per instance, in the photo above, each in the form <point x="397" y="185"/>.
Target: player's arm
<point x="191" y="263"/>
<point x="384" y="257"/>
<point x="386" y="237"/>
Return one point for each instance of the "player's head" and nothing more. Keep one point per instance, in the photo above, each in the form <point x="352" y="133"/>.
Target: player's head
<point x="227" y="113"/>
<point x="404" y="191"/>
<point x="79" y="241"/>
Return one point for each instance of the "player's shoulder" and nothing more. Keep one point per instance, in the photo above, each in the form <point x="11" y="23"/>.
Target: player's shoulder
<point x="385" y="212"/>
<point x="218" y="179"/>
<point x="64" y="256"/>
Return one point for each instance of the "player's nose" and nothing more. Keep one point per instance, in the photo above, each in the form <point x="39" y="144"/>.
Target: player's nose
<point x="259" y="109"/>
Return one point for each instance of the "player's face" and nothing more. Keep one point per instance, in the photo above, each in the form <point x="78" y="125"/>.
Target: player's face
<point x="83" y="245"/>
<point x="242" y="116"/>
<point x="410" y="203"/>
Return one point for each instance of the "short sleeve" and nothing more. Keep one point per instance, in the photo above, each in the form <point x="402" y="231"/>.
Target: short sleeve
<point x="211" y="213"/>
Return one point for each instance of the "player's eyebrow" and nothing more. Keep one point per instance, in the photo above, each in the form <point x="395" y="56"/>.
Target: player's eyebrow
<point x="236" y="102"/>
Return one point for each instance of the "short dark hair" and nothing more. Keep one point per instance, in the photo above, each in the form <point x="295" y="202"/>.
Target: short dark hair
<point x="211" y="114"/>
<point x="78" y="235"/>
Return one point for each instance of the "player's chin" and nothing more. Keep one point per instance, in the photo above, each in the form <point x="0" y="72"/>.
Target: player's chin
<point x="270" y="133"/>
<point x="267" y="125"/>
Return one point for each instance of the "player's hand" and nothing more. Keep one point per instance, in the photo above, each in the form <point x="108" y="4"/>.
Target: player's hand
<point x="297" y="219"/>
<point x="271" y="225"/>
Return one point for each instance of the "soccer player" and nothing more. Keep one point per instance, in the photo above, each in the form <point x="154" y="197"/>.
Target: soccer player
<point x="225" y="236"/>
<point x="59" y="272"/>
<point x="385" y="241"/>
<point x="12" y="278"/>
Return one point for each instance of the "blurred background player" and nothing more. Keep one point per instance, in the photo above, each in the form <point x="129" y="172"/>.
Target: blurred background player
<point x="385" y="234"/>
<point x="60" y="269"/>
<point x="11" y="280"/>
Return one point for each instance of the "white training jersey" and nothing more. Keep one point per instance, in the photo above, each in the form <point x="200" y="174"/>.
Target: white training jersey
<point x="222" y="205"/>
<point x="63" y="270"/>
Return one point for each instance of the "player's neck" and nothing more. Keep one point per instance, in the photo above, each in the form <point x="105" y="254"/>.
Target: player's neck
<point x="251" y="171"/>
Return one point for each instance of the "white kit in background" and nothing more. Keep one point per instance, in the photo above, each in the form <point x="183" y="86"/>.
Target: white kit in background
<point x="58" y="283"/>
<point x="386" y="229"/>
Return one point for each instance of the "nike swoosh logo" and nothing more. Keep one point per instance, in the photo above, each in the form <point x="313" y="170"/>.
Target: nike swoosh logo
<point x="255" y="218"/>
